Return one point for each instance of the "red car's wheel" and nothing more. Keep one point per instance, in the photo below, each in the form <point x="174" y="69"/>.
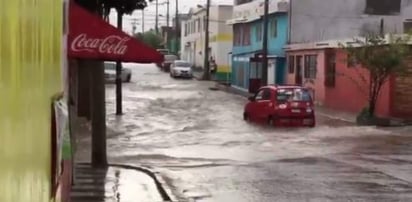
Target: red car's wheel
<point x="271" y="121"/>
<point x="246" y="117"/>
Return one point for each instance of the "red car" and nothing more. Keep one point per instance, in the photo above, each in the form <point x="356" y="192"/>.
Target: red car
<point x="281" y="105"/>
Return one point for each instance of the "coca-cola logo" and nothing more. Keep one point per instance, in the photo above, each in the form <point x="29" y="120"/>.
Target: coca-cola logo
<point x="112" y="44"/>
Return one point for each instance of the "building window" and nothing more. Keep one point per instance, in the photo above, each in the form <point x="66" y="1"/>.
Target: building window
<point x="291" y="64"/>
<point x="204" y="23"/>
<point x="274" y="28"/>
<point x="310" y="66"/>
<point x="351" y="61"/>
<point x="330" y="72"/>
<point x="199" y="26"/>
<point x="246" y="35"/>
<point x="407" y="26"/>
<point x="185" y="29"/>
<point x="383" y="7"/>
<point x="259" y="32"/>
<point x="237" y="38"/>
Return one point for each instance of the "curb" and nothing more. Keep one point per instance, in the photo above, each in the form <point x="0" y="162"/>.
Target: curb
<point x="335" y="117"/>
<point x="161" y="185"/>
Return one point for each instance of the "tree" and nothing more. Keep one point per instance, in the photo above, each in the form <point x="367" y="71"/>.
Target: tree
<point x="150" y="38"/>
<point x="382" y="56"/>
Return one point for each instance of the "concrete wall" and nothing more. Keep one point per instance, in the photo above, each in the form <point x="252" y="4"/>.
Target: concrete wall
<point x="317" y="20"/>
<point x="30" y="74"/>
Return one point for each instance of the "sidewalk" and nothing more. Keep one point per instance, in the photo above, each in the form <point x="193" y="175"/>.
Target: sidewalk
<point x="121" y="183"/>
<point x="113" y="184"/>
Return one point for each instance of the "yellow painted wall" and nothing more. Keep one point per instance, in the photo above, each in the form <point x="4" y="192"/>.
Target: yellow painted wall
<point x="221" y="37"/>
<point x="30" y="60"/>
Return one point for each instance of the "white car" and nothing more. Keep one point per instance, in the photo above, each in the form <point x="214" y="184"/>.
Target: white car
<point x="110" y="73"/>
<point x="181" y="68"/>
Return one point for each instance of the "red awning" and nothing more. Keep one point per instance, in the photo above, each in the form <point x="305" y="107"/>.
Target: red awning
<point x="90" y="37"/>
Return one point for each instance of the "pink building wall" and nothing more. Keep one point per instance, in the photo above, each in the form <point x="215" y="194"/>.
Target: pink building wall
<point x="317" y="84"/>
<point x="349" y="93"/>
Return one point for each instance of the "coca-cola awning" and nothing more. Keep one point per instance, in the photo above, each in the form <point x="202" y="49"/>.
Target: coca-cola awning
<point x="90" y="37"/>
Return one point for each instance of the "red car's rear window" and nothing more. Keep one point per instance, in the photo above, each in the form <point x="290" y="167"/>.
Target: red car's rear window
<point x="293" y="94"/>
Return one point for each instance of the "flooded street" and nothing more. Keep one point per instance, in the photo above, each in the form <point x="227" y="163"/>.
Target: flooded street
<point x="196" y="138"/>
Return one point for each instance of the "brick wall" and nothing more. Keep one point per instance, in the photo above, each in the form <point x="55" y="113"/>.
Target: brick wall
<point x="402" y="94"/>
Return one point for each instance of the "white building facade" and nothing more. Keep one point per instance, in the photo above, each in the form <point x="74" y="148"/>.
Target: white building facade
<point x="319" y="20"/>
<point x="220" y="38"/>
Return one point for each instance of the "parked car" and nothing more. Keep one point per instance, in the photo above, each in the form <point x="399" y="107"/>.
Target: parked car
<point x="281" y="105"/>
<point x="168" y="60"/>
<point x="110" y="73"/>
<point x="181" y="68"/>
<point x="163" y="52"/>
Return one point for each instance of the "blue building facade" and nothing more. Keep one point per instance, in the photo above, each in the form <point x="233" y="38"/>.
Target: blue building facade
<point x="248" y="42"/>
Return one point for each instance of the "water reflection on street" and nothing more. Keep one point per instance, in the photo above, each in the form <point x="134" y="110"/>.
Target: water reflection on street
<point x="199" y="142"/>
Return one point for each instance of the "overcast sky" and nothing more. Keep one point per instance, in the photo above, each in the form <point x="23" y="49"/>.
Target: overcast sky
<point x="150" y="13"/>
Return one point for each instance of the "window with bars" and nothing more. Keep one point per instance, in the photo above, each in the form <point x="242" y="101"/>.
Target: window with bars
<point x="237" y="38"/>
<point x="246" y="35"/>
<point x="310" y="66"/>
<point x="259" y="32"/>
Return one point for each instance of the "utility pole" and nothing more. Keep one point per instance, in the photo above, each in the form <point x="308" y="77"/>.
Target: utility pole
<point x="157" y="18"/>
<point x="167" y="13"/>
<point x="265" y="44"/>
<point x="206" y="73"/>
<point x="177" y="30"/>
<point x="134" y="25"/>
<point x="119" y="110"/>
<point x="142" y="21"/>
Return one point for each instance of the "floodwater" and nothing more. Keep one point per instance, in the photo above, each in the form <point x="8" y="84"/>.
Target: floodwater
<point x="197" y="140"/>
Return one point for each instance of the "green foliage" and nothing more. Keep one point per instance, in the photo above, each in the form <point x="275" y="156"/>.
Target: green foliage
<point x="382" y="57"/>
<point x="124" y="6"/>
<point x="150" y="38"/>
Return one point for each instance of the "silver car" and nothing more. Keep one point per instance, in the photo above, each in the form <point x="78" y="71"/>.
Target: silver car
<point x="110" y="73"/>
<point x="181" y="68"/>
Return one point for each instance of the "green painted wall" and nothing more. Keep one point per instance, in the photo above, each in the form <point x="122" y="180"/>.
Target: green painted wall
<point x="30" y="62"/>
<point x="173" y="46"/>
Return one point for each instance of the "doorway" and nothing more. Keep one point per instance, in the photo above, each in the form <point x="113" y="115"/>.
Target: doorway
<point x="271" y="72"/>
<point x="298" y="73"/>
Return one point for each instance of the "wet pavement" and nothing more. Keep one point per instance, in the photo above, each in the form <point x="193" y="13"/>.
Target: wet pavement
<point x="196" y="138"/>
<point x="113" y="184"/>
